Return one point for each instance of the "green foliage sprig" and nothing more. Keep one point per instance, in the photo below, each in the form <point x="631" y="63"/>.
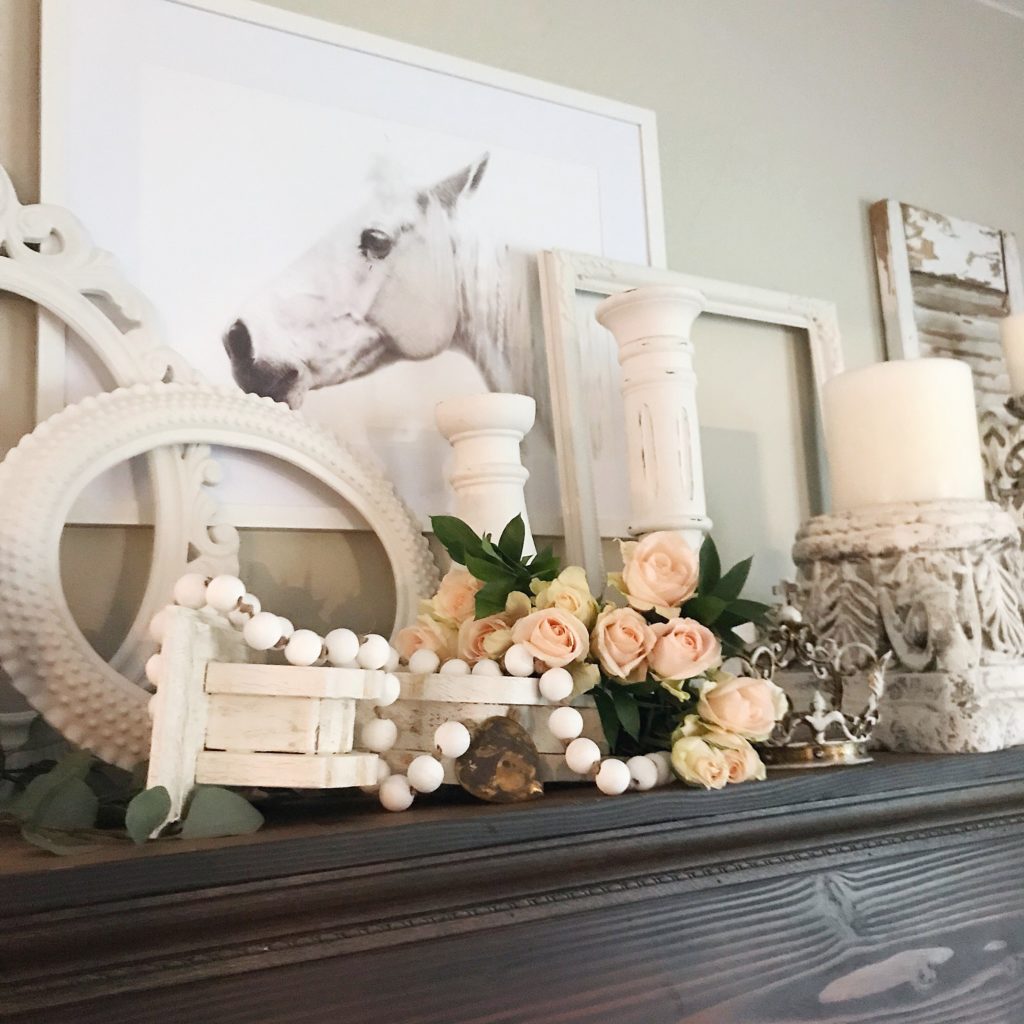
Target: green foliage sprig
<point x="500" y="566"/>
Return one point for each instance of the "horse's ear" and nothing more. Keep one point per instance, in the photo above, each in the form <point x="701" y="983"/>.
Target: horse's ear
<point x="451" y="189"/>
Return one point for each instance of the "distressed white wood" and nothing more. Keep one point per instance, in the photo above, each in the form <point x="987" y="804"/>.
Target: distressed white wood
<point x="41" y="646"/>
<point x="944" y="283"/>
<point x="287" y="725"/>
<point x="470" y="689"/>
<point x="179" y="707"/>
<point x="566" y="275"/>
<point x="292" y="681"/>
<point x="488" y="476"/>
<point x="290" y="771"/>
<point x="336" y="728"/>
<point x="552" y="766"/>
<point x="651" y="326"/>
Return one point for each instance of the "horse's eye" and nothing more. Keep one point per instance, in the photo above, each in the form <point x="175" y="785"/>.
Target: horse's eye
<point x="375" y="243"/>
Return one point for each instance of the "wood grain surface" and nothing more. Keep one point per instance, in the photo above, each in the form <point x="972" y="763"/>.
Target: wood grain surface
<point x="890" y="893"/>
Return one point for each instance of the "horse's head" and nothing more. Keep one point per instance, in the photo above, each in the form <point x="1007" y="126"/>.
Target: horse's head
<point x="382" y="286"/>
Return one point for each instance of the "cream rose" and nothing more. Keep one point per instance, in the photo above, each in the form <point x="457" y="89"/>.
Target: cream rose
<point x="552" y="636"/>
<point x="742" y="705"/>
<point x="427" y="634"/>
<point x="622" y="641"/>
<point x="570" y="592"/>
<point x="487" y="638"/>
<point x="698" y="763"/>
<point x="659" y="572"/>
<point x="683" y="649"/>
<point x="456" y="596"/>
<point x="741" y="757"/>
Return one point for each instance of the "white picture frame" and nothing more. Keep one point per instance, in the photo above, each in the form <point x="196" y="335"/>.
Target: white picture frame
<point x="79" y="83"/>
<point x="565" y="276"/>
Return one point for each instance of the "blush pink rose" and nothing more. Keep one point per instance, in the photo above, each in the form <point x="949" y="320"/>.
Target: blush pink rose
<point x="553" y="636"/>
<point x="426" y="634"/>
<point x="683" y="649"/>
<point x="486" y="638"/>
<point x="622" y="640"/>
<point x="742" y="705"/>
<point x="698" y="763"/>
<point x="659" y="572"/>
<point x="456" y="596"/>
<point x="741" y="758"/>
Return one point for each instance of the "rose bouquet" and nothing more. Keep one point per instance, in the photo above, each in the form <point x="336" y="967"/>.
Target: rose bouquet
<point x="652" y="659"/>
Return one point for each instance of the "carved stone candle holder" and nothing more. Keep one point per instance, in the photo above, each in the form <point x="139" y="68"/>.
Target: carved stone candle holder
<point x="939" y="585"/>
<point x="1002" y="448"/>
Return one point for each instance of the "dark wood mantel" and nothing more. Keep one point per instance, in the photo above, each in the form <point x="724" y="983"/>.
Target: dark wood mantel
<point x="888" y="893"/>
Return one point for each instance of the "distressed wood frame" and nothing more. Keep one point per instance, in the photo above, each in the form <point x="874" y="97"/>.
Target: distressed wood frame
<point x="565" y="275"/>
<point x="943" y="283"/>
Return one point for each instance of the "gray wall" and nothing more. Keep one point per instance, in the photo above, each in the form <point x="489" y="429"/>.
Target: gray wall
<point x="779" y="120"/>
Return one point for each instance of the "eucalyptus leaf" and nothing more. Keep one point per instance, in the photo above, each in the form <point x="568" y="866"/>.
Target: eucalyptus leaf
<point x="71" y="805"/>
<point x="732" y="583"/>
<point x="215" y="811"/>
<point x="56" y="841"/>
<point x="147" y="811"/>
<point x="73" y="766"/>
<point x="710" y="566"/>
<point x="512" y="538"/>
<point x="606" y="712"/>
<point x="627" y="711"/>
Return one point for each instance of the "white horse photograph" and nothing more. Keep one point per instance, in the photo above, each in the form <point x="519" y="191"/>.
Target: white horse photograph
<point x="406" y="277"/>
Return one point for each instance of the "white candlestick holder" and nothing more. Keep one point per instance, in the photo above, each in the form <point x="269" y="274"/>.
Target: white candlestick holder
<point x="488" y="476"/>
<point x="659" y="387"/>
<point x="1002" y="445"/>
<point x="938" y="584"/>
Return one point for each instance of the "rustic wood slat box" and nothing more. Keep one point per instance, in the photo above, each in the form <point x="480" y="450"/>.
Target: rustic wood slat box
<point x="887" y="893"/>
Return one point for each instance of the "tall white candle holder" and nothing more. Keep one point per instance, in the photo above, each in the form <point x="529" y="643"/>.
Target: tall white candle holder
<point x="1002" y="440"/>
<point x="938" y="584"/>
<point x="659" y="387"/>
<point x="488" y="476"/>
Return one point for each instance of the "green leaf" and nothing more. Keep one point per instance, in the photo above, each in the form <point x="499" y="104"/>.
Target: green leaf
<point x="512" y="538"/>
<point x="491" y="598"/>
<point x="73" y="766"/>
<point x="710" y="566"/>
<point x="71" y="805"/>
<point x="487" y="571"/>
<point x="215" y="811"/>
<point x="704" y="609"/>
<point x="627" y="711"/>
<point x="457" y="537"/>
<point x="606" y="712"/>
<point x="749" y="611"/>
<point x="56" y="841"/>
<point x="147" y="811"/>
<point x="732" y="583"/>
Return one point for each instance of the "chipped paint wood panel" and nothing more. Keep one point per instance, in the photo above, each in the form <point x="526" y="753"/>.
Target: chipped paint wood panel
<point x="944" y="283"/>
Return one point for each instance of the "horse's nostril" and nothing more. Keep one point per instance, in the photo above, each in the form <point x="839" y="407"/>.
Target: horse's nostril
<point x="238" y="342"/>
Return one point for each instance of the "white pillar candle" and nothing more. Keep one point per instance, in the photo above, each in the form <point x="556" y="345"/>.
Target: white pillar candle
<point x="488" y="477"/>
<point x="903" y="431"/>
<point x="1011" y="329"/>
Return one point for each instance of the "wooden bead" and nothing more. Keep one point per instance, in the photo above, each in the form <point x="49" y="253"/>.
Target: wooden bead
<point x="582" y="755"/>
<point x="373" y="652"/>
<point x="247" y="608"/>
<point x="424" y="661"/>
<point x="394" y="660"/>
<point x="455" y="667"/>
<point x="391" y="690"/>
<point x="486" y="667"/>
<point x="452" y="739"/>
<point x="304" y="647"/>
<point x="262" y="631"/>
<point x="556" y="684"/>
<point x="396" y="794"/>
<point x="378" y="735"/>
<point x="613" y="777"/>
<point x="190" y="590"/>
<point x="518" y="661"/>
<point x="565" y="723"/>
<point x="342" y="646"/>
<point x="155" y="668"/>
<point x="383" y="771"/>
<point x="643" y="771"/>
<point x="224" y="592"/>
<point x="158" y="625"/>
<point x="662" y="761"/>
<point x="425" y="773"/>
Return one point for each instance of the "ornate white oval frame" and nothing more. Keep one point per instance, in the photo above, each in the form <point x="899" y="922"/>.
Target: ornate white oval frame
<point x="41" y="647"/>
<point x="47" y="257"/>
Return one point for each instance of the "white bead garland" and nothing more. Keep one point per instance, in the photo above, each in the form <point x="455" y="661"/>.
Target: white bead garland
<point x="582" y="755"/>
<point x="425" y="773"/>
<point x="342" y="646"/>
<point x="383" y="771"/>
<point x="555" y="685"/>
<point x="304" y="648"/>
<point x="518" y="661"/>
<point x="486" y="667"/>
<point x="247" y="608"/>
<point x="455" y="667"/>
<point x="190" y="590"/>
<point x="379" y="735"/>
<point x="286" y="627"/>
<point x="613" y="777"/>
<point x="262" y="631"/>
<point x="452" y="739"/>
<point x="395" y="793"/>
<point x="643" y="771"/>
<point x="373" y="652"/>
<point x="566" y="724"/>
<point x="391" y="690"/>
<point x="155" y="669"/>
<point x="224" y="593"/>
